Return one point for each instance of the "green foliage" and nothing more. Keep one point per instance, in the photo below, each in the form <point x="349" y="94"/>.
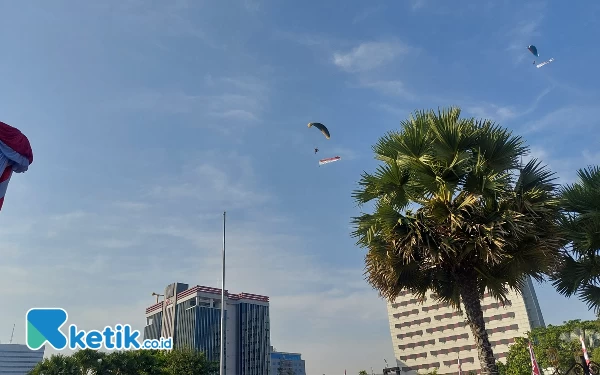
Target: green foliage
<point x="517" y="360"/>
<point x="580" y="269"/>
<point x="502" y="370"/>
<point x="58" y="364"/>
<point x="456" y="214"/>
<point x="188" y="362"/>
<point x="363" y="372"/>
<point x="135" y="362"/>
<point x="434" y="372"/>
<point x="595" y="355"/>
<point x="563" y="338"/>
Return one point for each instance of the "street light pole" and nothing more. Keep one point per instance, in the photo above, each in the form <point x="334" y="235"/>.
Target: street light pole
<point x="222" y="355"/>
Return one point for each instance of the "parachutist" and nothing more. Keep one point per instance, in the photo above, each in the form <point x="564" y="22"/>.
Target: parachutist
<point x="316" y="150"/>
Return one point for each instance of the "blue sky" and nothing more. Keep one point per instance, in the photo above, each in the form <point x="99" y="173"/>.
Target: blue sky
<point x="149" y="118"/>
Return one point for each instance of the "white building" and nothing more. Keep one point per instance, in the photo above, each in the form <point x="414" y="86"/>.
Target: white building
<point x="433" y="335"/>
<point x="289" y="363"/>
<point x="17" y="359"/>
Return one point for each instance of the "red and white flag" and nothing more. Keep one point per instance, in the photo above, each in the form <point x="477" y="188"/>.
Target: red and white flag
<point x="585" y="354"/>
<point x="329" y="160"/>
<point x="535" y="369"/>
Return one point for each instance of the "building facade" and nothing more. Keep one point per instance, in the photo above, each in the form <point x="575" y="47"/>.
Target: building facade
<point x="284" y="363"/>
<point x="16" y="359"/>
<point x="432" y="335"/>
<point x="192" y="317"/>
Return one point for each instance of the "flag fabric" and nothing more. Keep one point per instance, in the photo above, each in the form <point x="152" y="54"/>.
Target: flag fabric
<point x="329" y="160"/>
<point x="15" y="155"/>
<point x="585" y="354"/>
<point x="535" y="369"/>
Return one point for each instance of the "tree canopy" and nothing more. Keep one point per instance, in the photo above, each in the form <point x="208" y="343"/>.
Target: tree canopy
<point x="562" y="340"/>
<point x="580" y="271"/>
<point x="135" y="362"/>
<point x="457" y="213"/>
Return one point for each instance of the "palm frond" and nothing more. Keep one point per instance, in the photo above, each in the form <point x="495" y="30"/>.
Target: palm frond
<point x="470" y="214"/>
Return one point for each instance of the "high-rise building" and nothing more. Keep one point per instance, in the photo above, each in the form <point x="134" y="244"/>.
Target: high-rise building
<point x="192" y="317"/>
<point x="17" y="359"/>
<point x="284" y="363"/>
<point x="433" y="335"/>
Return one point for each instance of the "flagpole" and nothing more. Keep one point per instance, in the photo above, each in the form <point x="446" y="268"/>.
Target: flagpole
<point x="222" y="354"/>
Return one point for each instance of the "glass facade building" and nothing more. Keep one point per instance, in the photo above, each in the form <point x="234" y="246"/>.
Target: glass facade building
<point x="17" y="359"/>
<point x="192" y="317"/>
<point x="287" y="363"/>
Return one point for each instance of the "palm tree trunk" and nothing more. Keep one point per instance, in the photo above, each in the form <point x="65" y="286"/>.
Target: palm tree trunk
<point x="472" y="303"/>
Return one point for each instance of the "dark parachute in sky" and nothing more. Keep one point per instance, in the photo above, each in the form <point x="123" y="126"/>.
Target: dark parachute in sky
<point x="533" y="50"/>
<point x="321" y="127"/>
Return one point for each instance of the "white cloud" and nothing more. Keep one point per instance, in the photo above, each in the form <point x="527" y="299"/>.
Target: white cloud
<point x="492" y="112"/>
<point x="368" y="56"/>
<point x="344" y="152"/>
<point x="591" y="157"/>
<point x="578" y="118"/>
<point x="390" y="87"/>
<point x="393" y="110"/>
<point x="418" y="4"/>
<point x="367" y="12"/>
<point x="213" y="179"/>
<point x="252" y="5"/>
<point x="169" y="19"/>
<point x="223" y="104"/>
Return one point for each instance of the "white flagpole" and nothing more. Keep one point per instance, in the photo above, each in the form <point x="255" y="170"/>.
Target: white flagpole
<point x="222" y="355"/>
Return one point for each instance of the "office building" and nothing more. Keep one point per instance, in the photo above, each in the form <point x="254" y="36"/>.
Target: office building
<point x="433" y="335"/>
<point x="284" y="363"/>
<point x="16" y="359"/>
<point x="191" y="316"/>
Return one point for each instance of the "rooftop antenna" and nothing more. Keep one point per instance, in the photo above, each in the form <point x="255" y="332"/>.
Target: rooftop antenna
<point x="157" y="295"/>
<point x="12" y="334"/>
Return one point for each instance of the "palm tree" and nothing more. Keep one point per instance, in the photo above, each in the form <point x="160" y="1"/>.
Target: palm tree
<point x="456" y="213"/>
<point x="580" y="270"/>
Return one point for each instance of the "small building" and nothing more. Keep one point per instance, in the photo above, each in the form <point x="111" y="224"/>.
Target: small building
<point x="18" y="359"/>
<point x="284" y="363"/>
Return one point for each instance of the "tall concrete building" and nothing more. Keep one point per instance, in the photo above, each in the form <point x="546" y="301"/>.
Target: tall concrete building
<point x="432" y="335"/>
<point x="17" y="359"/>
<point x="191" y="316"/>
<point x="285" y="363"/>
